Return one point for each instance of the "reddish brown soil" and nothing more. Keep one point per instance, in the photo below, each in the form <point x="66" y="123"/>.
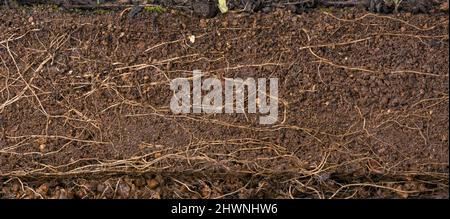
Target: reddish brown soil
<point x="84" y="106"/>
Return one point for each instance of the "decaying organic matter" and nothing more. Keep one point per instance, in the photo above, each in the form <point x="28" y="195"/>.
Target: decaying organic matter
<point x="209" y="8"/>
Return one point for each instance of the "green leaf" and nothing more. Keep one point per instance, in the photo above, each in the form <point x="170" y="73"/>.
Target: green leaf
<point x="223" y="6"/>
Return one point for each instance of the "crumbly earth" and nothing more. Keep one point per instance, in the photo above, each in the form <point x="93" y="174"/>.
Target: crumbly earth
<point x="84" y="105"/>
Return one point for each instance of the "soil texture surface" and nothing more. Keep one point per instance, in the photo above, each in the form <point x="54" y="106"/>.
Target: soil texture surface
<point x="85" y="96"/>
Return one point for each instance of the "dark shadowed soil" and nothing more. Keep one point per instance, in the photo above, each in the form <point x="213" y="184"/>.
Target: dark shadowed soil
<point x="84" y="105"/>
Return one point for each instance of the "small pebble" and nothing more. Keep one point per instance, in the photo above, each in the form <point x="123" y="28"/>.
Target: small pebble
<point x="152" y="183"/>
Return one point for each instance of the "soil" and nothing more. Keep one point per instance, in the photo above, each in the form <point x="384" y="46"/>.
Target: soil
<point x="84" y="105"/>
<point x="207" y="8"/>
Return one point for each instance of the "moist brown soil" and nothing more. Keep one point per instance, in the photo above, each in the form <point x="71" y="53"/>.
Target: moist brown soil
<point x="84" y="105"/>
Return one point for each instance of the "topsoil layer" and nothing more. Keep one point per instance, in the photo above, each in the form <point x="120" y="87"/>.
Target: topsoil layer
<point x="84" y="105"/>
